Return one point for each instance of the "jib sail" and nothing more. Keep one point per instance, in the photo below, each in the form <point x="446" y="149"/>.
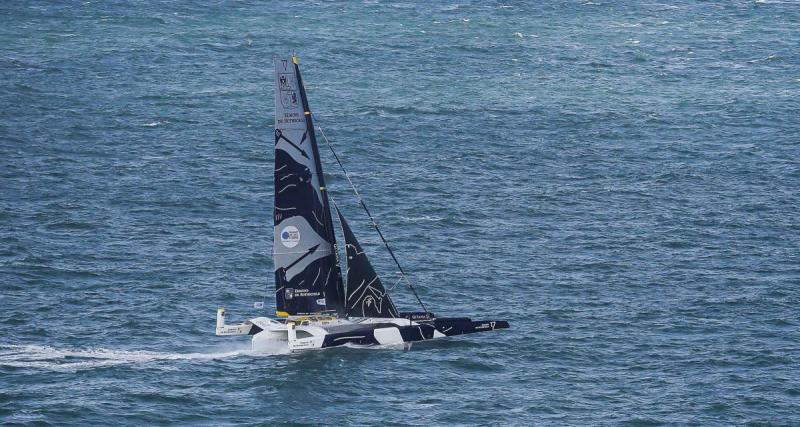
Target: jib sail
<point x="366" y="296"/>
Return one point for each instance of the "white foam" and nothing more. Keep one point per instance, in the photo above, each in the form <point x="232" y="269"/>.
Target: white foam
<point x="769" y="58"/>
<point x="383" y="347"/>
<point x="422" y="218"/>
<point x="626" y="24"/>
<point x="65" y="359"/>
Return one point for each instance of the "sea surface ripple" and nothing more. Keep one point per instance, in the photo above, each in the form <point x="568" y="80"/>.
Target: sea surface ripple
<point x="617" y="179"/>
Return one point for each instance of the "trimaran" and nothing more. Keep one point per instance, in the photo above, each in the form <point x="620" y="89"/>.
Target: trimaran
<point x="316" y="308"/>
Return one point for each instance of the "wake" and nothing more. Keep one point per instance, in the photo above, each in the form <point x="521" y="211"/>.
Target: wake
<point x="72" y="359"/>
<point x="64" y="359"/>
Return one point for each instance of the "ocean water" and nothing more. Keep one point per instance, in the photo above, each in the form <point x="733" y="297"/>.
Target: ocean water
<point x="618" y="179"/>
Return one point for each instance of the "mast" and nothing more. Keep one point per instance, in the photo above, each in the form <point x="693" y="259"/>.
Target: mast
<point x="307" y="275"/>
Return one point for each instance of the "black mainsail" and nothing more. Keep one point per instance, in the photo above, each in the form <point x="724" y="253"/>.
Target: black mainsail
<point x="307" y="275"/>
<point x="366" y="296"/>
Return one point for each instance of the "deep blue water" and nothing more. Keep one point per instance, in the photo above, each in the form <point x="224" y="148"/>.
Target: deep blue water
<point x="618" y="179"/>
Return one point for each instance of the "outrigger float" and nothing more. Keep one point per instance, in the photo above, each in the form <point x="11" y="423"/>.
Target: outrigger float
<point x="316" y="307"/>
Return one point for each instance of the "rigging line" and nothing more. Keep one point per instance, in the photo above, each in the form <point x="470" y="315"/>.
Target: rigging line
<point x="395" y="284"/>
<point x="371" y="218"/>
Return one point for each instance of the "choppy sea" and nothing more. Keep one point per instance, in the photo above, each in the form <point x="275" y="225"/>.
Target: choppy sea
<point x="618" y="179"/>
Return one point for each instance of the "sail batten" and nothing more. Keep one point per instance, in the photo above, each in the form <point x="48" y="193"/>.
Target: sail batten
<point x="366" y="296"/>
<point x="307" y="274"/>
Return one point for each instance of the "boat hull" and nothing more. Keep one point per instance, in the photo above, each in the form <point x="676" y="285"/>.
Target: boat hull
<point x="307" y="334"/>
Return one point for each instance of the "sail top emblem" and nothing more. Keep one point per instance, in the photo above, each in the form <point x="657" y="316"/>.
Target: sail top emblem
<point x="288" y="90"/>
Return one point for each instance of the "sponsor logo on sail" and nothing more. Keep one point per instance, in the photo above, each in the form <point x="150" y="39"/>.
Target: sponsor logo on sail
<point x="285" y="81"/>
<point x="288" y="293"/>
<point x="288" y="89"/>
<point x="289" y="98"/>
<point x="290" y="236"/>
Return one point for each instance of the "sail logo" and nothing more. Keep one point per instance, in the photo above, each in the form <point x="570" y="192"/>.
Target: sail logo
<point x="285" y="82"/>
<point x="287" y="87"/>
<point x="288" y="98"/>
<point x="290" y="236"/>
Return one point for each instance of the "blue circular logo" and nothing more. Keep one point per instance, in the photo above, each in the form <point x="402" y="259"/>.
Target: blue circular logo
<point x="290" y="236"/>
